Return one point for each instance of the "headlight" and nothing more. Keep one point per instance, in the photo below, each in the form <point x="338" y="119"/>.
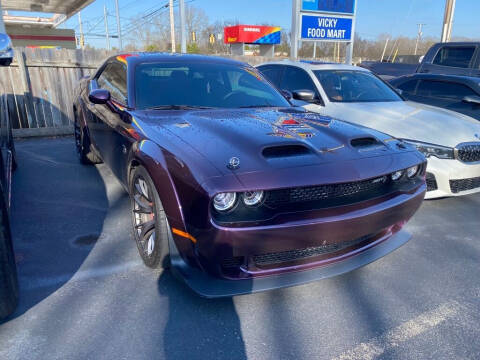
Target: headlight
<point x="441" y="152"/>
<point x="412" y="171"/>
<point x="252" y="198"/>
<point x="397" y="175"/>
<point x="224" y="201"/>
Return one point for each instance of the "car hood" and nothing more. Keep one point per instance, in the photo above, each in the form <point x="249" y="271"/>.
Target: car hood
<point x="409" y="120"/>
<point x="217" y="136"/>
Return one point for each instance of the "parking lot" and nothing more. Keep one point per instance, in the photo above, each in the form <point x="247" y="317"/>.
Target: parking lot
<point x="85" y="293"/>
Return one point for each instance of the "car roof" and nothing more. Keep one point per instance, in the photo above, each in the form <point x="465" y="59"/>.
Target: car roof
<point x="316" y="65"/>
<point x="134" y="58"/>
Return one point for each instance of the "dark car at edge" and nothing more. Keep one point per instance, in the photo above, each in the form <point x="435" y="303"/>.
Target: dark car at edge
<point x="231" y="186"/>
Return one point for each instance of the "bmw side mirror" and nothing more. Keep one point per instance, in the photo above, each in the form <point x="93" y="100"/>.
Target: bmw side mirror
<point x="472" y="99"/>
<point x="99" y="96"/>
<point x="303" y="95"/>
<point x="286" y="94"/>
<point x="6" y="50"/>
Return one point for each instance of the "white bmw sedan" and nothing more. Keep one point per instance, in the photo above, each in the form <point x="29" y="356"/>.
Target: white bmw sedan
<point x="449" y="140"/>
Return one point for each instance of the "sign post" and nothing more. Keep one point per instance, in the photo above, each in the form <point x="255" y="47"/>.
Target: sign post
<point x="324" y="20"/>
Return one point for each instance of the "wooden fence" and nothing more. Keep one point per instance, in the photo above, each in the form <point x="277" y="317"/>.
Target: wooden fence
<point x="39" y="88"/>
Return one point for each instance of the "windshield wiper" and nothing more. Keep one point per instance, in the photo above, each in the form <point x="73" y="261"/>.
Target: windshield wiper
<point x="177" y="107"/>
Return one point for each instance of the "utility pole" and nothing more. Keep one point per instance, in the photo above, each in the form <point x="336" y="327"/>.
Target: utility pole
<point x="172" y="26"/>
<point x="384" y="49"/>
<point x="105" y="19"/>
<point x="183" y="33"/>
<point x="419" y="37"/>
<point x="448" y="20"/>
<point x="294" y="30"/>
<point x="119" y="28"/>
<point x="314" y="49"/>
<point x="82" y="39"/>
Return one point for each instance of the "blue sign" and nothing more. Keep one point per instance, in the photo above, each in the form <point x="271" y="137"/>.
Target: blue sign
<point x="333" y="6"/>
<point x="316" y="27"/>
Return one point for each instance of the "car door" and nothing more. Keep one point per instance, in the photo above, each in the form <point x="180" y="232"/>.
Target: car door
<point x="112" y="123"/>
<point x="448" y="95"/>
<point x="96" y="112"/>
<point x="452" y="60"/>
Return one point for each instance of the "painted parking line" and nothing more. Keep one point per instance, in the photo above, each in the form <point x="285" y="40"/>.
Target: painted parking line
<point x="408" y="330"/>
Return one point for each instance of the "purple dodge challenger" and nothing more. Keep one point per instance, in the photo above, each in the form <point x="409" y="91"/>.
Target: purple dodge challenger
<point x="231" y="186"/>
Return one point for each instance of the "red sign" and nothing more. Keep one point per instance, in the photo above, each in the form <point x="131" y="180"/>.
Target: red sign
<point x="252" y="34"/>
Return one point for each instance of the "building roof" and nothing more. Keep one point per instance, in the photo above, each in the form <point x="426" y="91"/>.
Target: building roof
<point x="64" y="7"/>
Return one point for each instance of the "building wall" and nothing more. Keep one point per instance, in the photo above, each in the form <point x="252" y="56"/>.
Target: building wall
<point x="41" y="37"/>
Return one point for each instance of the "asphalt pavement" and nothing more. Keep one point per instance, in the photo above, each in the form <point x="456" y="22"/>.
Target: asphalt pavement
<point x="85" y="293"/>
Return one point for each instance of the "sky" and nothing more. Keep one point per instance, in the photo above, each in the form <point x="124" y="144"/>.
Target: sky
<point x="374" y="17"/>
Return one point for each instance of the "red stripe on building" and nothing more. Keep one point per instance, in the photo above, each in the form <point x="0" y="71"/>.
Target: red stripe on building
<point x="42" y="37"/>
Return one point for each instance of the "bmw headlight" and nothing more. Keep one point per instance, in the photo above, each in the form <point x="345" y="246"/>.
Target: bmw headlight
<point x="441" y="152"/>
<point x="224" y="201"/>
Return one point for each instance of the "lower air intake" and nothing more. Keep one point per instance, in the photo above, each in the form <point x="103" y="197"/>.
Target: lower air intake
<point x="300" y="254"/>
<point x="464" y="184"/>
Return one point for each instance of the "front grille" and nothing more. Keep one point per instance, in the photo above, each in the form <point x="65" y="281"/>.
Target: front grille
<point x="464" y="184"/>
<point x="468" y="152"/>
<point x="299" y="254"/>
<point x="431" y="182"/>
<point x="323" y="192"/>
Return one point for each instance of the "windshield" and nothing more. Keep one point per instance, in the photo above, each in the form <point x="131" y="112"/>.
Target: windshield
<point x="354" y="86"/>
<point x="164" y="85"/>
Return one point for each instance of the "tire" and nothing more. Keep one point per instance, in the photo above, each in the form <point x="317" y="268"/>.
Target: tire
<point x="8" y="269"/>
<point x="149" y="223"/>
<point x="83" y="146"/>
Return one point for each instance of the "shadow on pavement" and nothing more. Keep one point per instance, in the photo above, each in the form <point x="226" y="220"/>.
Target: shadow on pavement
<point x="199" y="328"/>
<point x="58" y="212"/>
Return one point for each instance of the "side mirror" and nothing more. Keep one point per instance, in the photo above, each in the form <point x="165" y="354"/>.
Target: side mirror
<point x="286" y="94"/>
<point x="472" y="99"/>
<point x="304" y="95"/>
<point x="6" y="51"/>
<point x="99" y="96"/>
<point x="399" y="91"/>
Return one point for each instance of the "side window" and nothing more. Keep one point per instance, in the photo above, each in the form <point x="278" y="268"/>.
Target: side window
<point x="114" y="79"/>
<point x="455" y="56"/>
<point x="272" y="73"/>
<point x="408" y="86"/>
<point x="297" y="79"/>
<point x="443" y="89"/>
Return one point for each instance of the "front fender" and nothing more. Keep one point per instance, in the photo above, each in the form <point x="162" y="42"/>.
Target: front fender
<point x="175" y="185"/>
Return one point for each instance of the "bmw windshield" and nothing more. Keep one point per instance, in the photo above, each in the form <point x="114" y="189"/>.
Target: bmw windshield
<point x="202" y="85"/>
<point x="355" y="86"/>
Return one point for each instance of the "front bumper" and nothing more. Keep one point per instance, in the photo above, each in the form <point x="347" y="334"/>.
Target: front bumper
<point x="451" y="170"/>
<point x="376" y="223"/>
<point x="212" y="287"/>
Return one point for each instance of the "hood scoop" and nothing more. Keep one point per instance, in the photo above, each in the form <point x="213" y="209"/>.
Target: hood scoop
<point x="366" y="143"/>
<point x="282" y="151"/>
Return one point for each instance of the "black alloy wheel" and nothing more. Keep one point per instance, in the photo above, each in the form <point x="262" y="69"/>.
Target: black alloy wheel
<point x="150" y="225"/>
